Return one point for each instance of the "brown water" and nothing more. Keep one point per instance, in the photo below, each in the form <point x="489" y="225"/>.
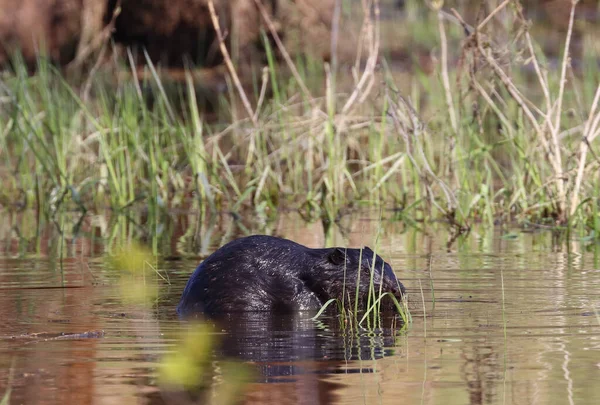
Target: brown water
<point x="70" y="336"/>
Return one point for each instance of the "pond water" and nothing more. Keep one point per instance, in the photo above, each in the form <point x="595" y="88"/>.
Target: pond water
<point x="509" y="318"/>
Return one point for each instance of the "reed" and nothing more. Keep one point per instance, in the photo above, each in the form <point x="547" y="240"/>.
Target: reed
<point x="501" y="137"/>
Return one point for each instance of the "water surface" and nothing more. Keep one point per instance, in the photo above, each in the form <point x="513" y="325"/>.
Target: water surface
<point x="509" y="318"/>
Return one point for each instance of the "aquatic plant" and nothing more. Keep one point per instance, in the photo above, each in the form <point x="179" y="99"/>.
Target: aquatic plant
<point x="484" y="142"/>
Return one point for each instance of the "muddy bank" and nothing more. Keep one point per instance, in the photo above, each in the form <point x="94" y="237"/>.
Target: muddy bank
<point x="179" y="33"/>
<point x="175" y="33"/>
<point x="171" y="31"/>
<point x="33" y="26"/>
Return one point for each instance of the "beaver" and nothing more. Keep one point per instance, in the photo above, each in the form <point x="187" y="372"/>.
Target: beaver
<point x="266" y="273"/>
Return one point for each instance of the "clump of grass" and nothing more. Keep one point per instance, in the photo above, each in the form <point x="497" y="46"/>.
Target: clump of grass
<point x="479" y="144"/>
<point x="349" y="318"/>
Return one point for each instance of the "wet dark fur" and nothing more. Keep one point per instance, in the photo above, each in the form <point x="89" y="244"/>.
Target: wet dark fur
<point x="265" y="273"/>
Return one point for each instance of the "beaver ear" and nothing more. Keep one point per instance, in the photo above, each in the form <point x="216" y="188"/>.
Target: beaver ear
<point x="337" y="256"/>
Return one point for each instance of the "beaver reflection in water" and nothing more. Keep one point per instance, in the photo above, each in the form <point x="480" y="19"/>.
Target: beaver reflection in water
<point x="266" y="273"/>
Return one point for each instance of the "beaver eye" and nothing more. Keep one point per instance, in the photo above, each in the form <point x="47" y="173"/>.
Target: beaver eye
<point x="337" y="256"/>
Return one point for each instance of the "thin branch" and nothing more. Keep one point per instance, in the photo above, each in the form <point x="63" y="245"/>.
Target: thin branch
<point x="589" y="133"/>
<point x="492" y="14"/>
<point x="284" y="52"/>
<point x="561" y="189"/>
<point x="263" y="91"/>
<point x="373" y="29"/>
<point x="227" y="58"/>
<point x="445" y="76"/>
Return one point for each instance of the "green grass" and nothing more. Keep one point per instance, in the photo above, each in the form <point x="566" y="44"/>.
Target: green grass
<point x="393" y="145"/>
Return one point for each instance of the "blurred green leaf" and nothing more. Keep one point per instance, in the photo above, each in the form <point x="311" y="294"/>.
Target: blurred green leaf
<point x="138" y="282"/>
<point x="187" y="364"/>
<point x="132" y="259"/>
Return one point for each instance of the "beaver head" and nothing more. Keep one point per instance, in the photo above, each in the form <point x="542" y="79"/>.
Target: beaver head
<point x="341" y="273"/>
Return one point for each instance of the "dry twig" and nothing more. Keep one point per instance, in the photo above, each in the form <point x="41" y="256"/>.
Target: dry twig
<point x="229" y="63"/>
<point x="284" y="52"/>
